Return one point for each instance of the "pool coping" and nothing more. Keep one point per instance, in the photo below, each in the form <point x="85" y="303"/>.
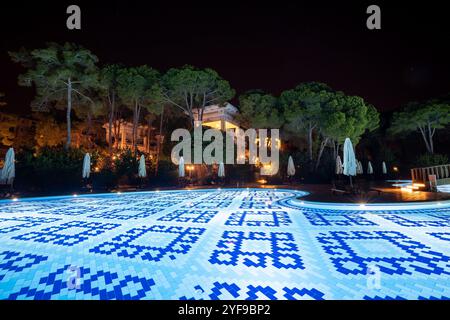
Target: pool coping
<point x="289" y="201"/>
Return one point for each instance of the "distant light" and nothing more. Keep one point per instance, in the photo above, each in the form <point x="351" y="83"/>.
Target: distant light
<point x="439" y="204"/>
<point x="362" y="205"/>
<point x="15" y="199"/>
<point x="219" y="189"/>
<point x="75" y="195"/>
<point x="119" y="192"/>
<point x="302" y="202"/>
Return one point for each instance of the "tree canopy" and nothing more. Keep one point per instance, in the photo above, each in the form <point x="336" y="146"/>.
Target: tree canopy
<point x="326" y="117"/>
<point x="425" y="118"/>
<point x="139" y="88"/>
<point x="260" y="110"/>
<point x="189" y="88"/>
<point x="58" y="72"/>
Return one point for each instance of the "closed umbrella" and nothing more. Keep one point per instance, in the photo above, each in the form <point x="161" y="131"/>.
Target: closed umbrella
<point x="142" y="172"/>
<point x="86" y="166"/>
<point x="8" y="172"/>
<point x="384" y="168"/>
<point x="349" y="160"/>
<point x="290" y="167"/>
<point x="359" y="167"/>
<point x="369" y="168"/>
<point x="181" y="167"/>
<point x="221" y="172"/>
<point x="339" y="167"/>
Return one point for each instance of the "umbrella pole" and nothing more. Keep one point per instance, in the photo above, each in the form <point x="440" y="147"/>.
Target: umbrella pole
<point x="351" y="184"/>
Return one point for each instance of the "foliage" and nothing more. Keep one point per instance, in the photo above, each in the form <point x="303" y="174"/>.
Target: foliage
<point x="53" y="168"/>
<point x="127" y="164"/>
<point x="326" y="117"/>
<point x="189" y="88"/>
<point x="58" y="72"/>
<point x="423" y="117"/>
<point x="430" y="160"/>
<point x="259" y="110"/>
<point x="49" y="133"/>
<point x="138" y="88"/>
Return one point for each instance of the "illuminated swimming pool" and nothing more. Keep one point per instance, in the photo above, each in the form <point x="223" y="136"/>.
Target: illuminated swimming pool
<point x="221" y="244"/>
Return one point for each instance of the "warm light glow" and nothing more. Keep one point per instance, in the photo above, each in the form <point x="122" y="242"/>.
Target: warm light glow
<point x="395" y="169"/>
<point x="406" y="189"/>
<point x="75" y="195"/>
<point x="15" y="199"/>
<point x="262" y="181"/>
<point x="190" y="168"/>
<point x="218" y="125"/>
<point x="418" y="185"/>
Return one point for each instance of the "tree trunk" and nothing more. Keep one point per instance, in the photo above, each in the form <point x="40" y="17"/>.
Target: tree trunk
<point x="322" y="148"/>
<point x="68" y="113"/>
<point x="111" y="120"/>
<point x="430" y="137"/>
<point x="310" y="148"/>
<point x="310" y="152"/>
<point x="158" y="148"/>
<point x="137" y="111"/>
<point x="425" y="139"/>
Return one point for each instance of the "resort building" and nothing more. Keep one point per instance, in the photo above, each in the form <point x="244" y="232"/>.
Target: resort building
<point x="122" y="133"/>
<point x="218" y="117"/>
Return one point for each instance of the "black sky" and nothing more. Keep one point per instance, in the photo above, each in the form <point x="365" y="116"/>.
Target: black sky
<point x="252" y="44"/>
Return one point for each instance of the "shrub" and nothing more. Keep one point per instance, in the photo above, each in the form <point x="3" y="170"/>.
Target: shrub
<point x="430" y="160"/>
<point x="53" y="168"/>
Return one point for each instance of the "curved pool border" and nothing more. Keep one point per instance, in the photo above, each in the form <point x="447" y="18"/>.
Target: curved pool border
<point x="290" y="202"/>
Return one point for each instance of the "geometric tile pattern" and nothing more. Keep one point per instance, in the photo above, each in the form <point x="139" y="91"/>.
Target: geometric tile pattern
<point x="258" y="249"/>
<point x="319" y="217"/>
<point x="392" y="251"/>
<point x="22" y="223"/>
<point x="12" y="261"/>
<point x="259" y="218"/>
<point x="151" y="243"/>
<point x="196" y="216"/>
<point x="220" y="244"/>
<point x="67" y="234"/>
<point x="115" y="286"/>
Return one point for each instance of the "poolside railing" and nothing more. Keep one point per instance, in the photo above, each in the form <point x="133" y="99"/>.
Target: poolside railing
<point x="422" y="175"/>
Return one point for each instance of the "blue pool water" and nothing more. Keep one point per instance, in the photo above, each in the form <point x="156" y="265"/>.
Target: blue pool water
<point x="221" y="244"/>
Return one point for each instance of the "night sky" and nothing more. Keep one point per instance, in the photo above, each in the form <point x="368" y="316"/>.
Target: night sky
<point x="251" y="44"/>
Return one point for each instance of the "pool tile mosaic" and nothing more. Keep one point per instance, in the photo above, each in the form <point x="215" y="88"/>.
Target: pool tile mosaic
<point x="219" y="244"/>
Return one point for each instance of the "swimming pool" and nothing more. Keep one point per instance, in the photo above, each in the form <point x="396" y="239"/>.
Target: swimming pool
<point x="221" y="244"/>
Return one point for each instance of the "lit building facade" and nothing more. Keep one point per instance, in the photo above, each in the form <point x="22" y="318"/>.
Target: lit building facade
<point x="122" y="134"/>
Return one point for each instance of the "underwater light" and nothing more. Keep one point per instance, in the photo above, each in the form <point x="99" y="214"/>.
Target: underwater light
<point x="75" y="195"/>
